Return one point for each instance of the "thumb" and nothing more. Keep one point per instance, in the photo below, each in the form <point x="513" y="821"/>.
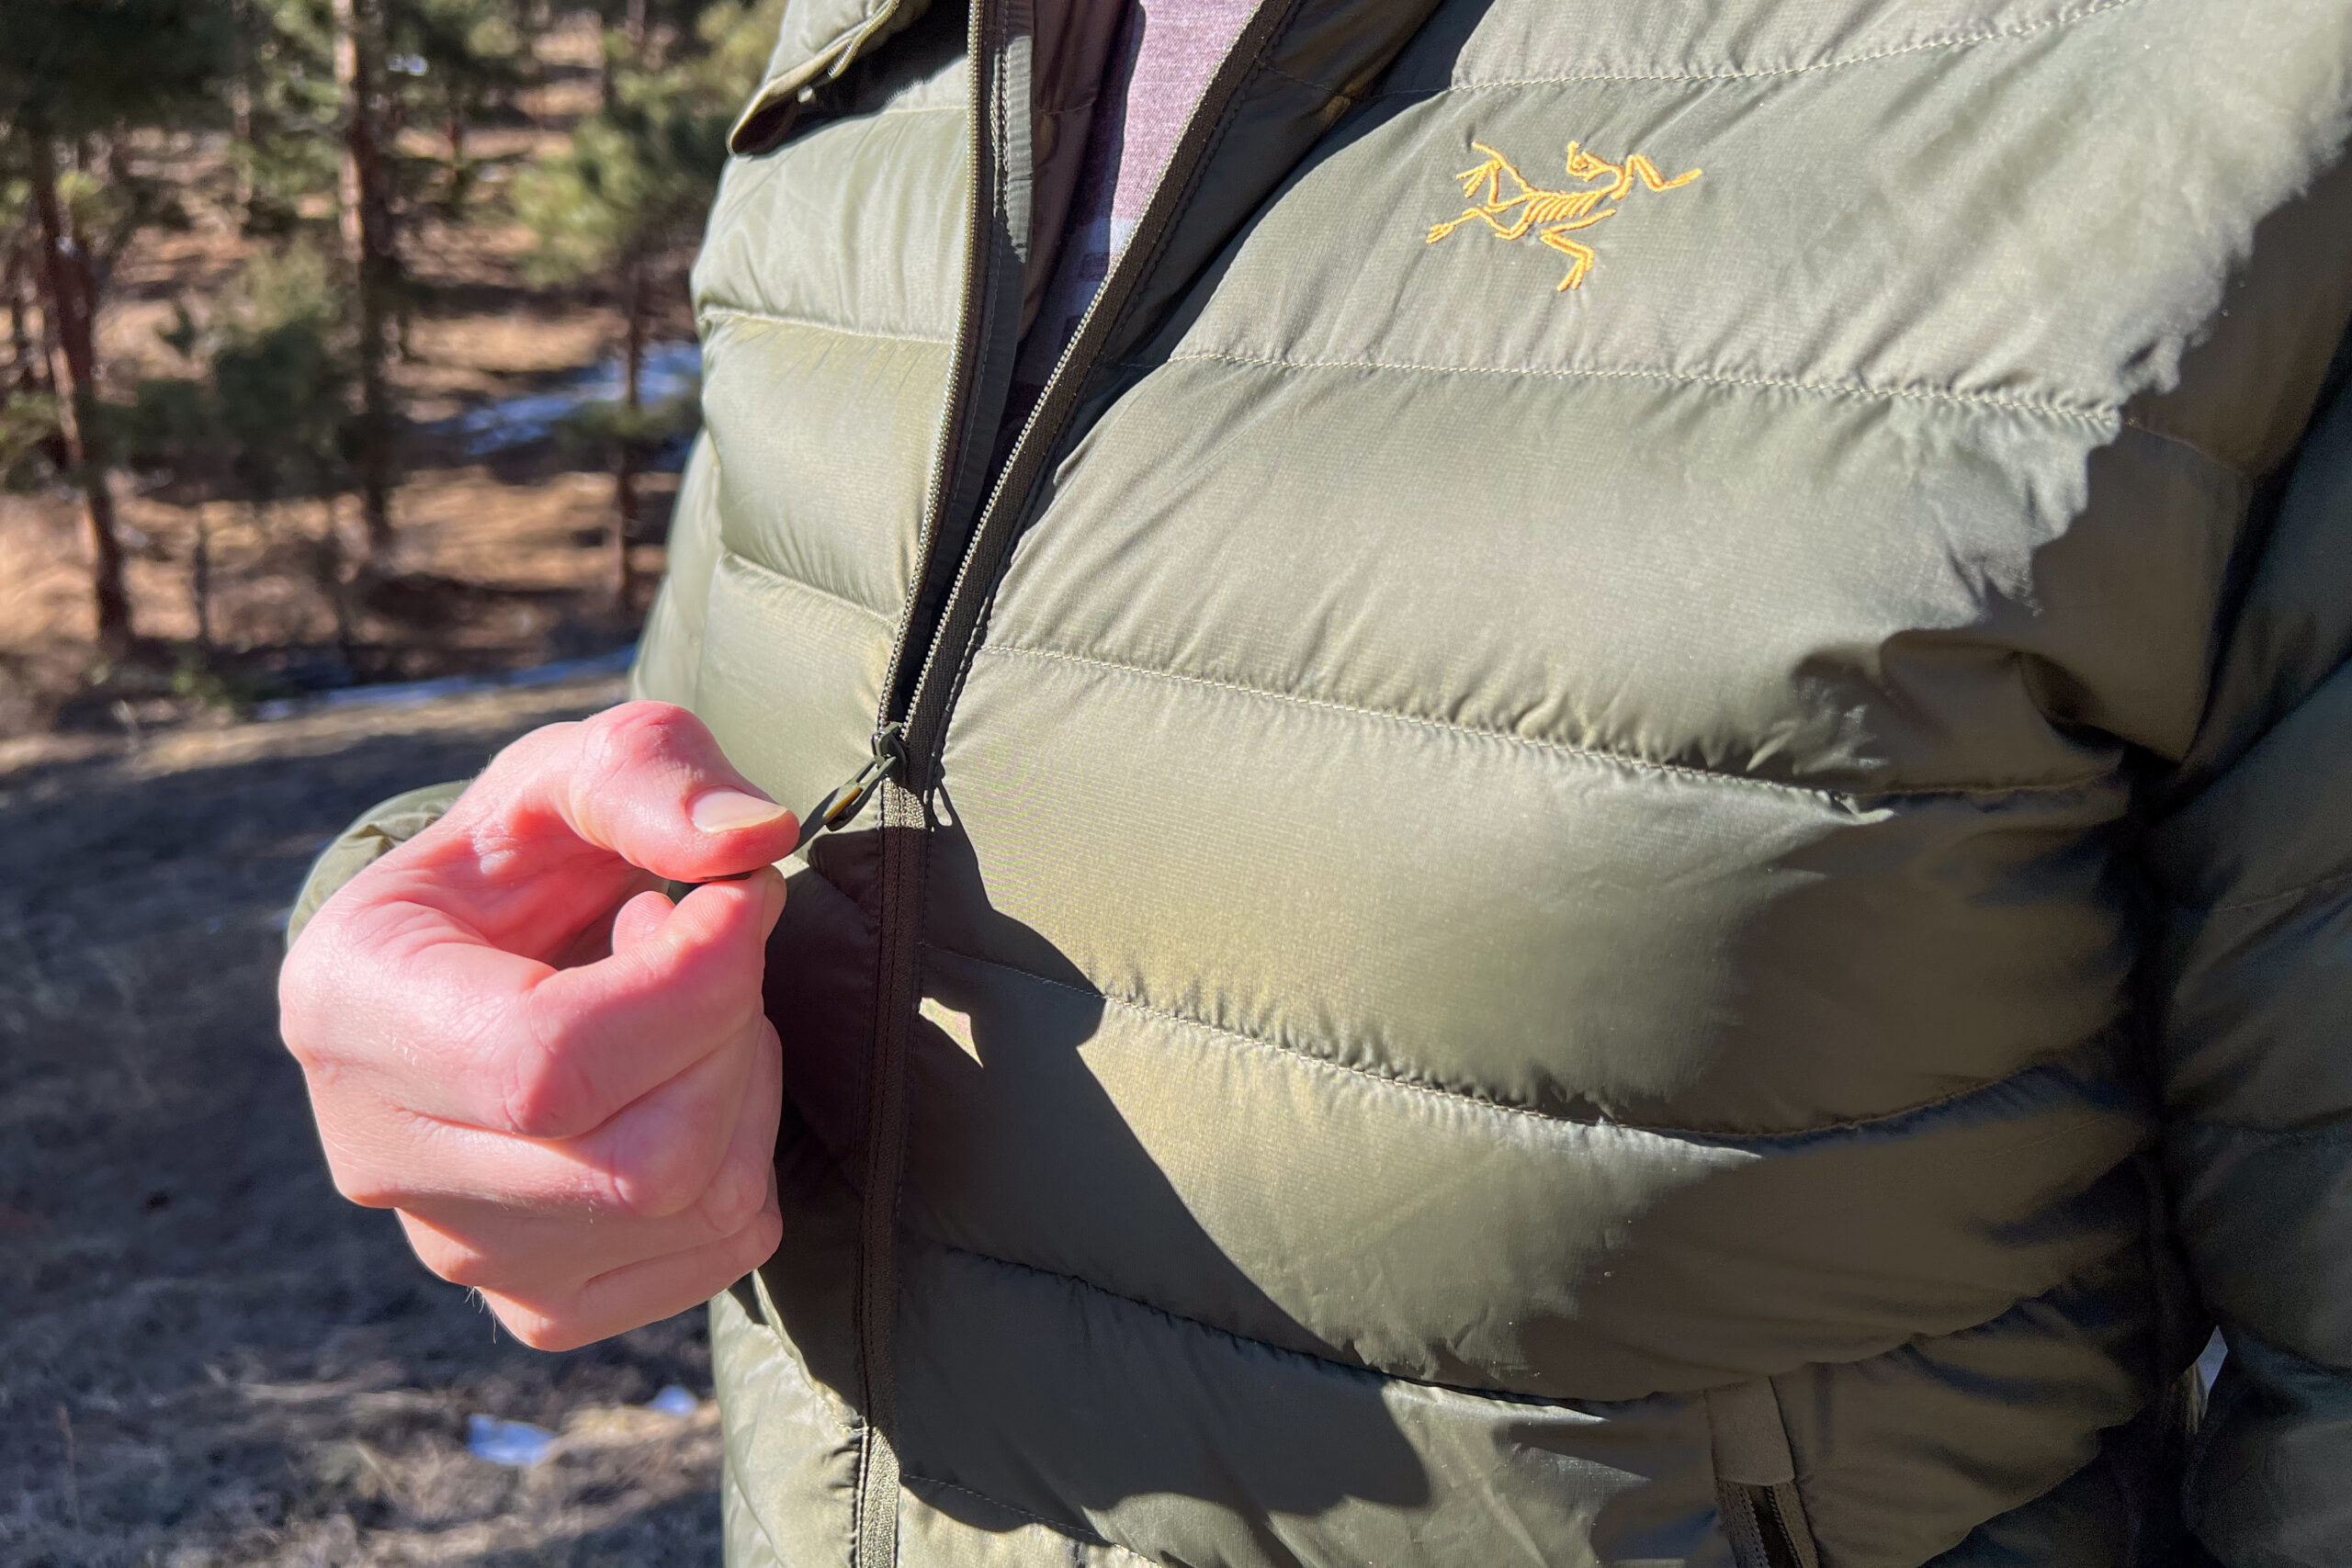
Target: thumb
<point x="648" y="782"/>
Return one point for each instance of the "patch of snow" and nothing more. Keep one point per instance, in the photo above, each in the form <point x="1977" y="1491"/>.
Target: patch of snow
<point x="407" y="693"/>
<point x="670" y="370"/>
<point x="673" y="1401"/>
<point x="517" y="1444"/>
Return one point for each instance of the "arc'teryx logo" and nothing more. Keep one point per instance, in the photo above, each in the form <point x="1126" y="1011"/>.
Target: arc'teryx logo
<point x="1554" y="215"/>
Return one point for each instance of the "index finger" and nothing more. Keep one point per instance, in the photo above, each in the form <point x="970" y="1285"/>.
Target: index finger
<point x="572" y="816"/>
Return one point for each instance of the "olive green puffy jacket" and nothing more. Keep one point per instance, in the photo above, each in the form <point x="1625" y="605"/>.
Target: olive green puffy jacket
<point x="1625" y="836"/>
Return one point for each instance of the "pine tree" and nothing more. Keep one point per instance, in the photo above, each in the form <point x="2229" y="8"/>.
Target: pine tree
<point x="371" y="246"/>
<point x="284" y="112"/>
<point x="626" y="203"/>
<point x="461" y="59"/>
<point x="79" y="81"/>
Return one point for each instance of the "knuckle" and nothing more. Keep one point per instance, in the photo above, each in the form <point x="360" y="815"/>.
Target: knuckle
<point x="523" y="757"/>
<point x="543" y="1096"/>
<point x="736" y="1194"/>
<point x="633" y="735"/>
<point x="305" y="1000"/>
<point x="298" y="1039"/>
<point x="654" y="1182"/>
<point x="323" y="981"/>
<point x="540" y="1104"/>
<point x="757" y="1242"/>
<point x="297" y="978"/>
<point x="652" y="714"/>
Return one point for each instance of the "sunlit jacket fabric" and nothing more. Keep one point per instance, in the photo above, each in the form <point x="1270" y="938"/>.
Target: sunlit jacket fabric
<point x="1548" y="921"/>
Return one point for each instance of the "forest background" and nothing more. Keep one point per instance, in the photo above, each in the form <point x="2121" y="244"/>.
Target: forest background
<point x="345" y="340"/>
<point x="346" y="368"/>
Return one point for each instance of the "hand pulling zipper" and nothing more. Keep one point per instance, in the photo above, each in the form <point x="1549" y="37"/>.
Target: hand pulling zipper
<point x="847" y="801"/>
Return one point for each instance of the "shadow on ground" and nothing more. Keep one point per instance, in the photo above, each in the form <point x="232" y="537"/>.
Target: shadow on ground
<point x="206" y="1357"/>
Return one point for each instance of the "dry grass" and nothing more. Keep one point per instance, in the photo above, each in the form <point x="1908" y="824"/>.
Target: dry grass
<point x="206" y="1358"/>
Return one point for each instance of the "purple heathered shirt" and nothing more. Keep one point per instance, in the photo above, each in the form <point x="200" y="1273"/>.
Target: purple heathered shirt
<point x="1165" y="55"/>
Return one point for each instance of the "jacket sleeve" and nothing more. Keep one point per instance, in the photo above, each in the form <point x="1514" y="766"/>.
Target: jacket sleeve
<point x="669" y="651"/>
<point x="379" y="828"/>
<point x="2252" y="868"/>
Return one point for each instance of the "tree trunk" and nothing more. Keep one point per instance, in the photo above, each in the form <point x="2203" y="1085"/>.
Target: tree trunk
<point x="624" y="458"/>
<point x="241" y="110"/>
<point x="368" y="243"/>
<point x="71" y="304"/>
<point x="634" y="31"/>
<point x="457" y="160"/>
<point x="201" y="580"/>
<point x="24" y="371"/>
<point x="326" y="571"/>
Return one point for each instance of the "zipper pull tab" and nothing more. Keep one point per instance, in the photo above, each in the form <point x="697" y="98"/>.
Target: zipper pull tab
<point x="835" y="810"/>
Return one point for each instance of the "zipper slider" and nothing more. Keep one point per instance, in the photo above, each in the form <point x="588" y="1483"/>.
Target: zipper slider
<point x="836" y="809"/>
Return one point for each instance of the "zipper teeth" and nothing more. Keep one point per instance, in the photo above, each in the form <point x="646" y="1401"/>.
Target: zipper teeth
<point x="925" y="677"/>
<point x="962" y="367"/>
<point x="875" y="1505"/>
<point x="1772" y="1525"/>
<point x="1041" y="431"/>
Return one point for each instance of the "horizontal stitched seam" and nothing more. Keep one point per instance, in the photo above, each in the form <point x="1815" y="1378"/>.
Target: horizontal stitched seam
<point x="1500" y="1396"/>
<point x="808" y="588"/>
<point x="1682" y="770"/>
<point x="1355" y="1369"/>
<point x="2103" y="416"/>
<point x="769" y="318"/>
<point x="1456" y="1096"/>
<point x="2300" y="890"/>
<point x="1057" y="1526"/>
<point x="1952" y="40"/>
<point x="1445" y="726"/>
<point x="1260" y="1043"/>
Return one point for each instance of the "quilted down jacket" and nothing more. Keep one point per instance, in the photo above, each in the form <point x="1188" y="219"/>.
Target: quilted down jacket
<point x="1621" y="837"/>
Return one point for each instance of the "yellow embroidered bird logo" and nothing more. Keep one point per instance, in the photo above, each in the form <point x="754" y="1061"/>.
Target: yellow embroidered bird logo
<point x="1554" y="214"/>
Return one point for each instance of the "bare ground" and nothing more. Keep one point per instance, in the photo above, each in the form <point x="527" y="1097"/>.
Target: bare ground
<point x="206" y="1357"/>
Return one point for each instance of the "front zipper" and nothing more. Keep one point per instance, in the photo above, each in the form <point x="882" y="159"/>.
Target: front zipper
<point x="1763" y="1535"/>
<point x="1755" y="1478"/>
<point x="922" y="707"/>
<point x="1772" y="1525"/>
<point x="978" y="376"/>
<point x="849" y="797"/>
<point x="987" y="343"/>
<point x="941" y="615"/>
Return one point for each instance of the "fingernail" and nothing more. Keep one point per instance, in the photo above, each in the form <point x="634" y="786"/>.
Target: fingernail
<point x="724" y="810"/>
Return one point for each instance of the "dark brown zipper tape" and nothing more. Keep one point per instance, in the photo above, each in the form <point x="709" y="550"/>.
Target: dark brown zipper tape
<point x="899" y="979"/>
